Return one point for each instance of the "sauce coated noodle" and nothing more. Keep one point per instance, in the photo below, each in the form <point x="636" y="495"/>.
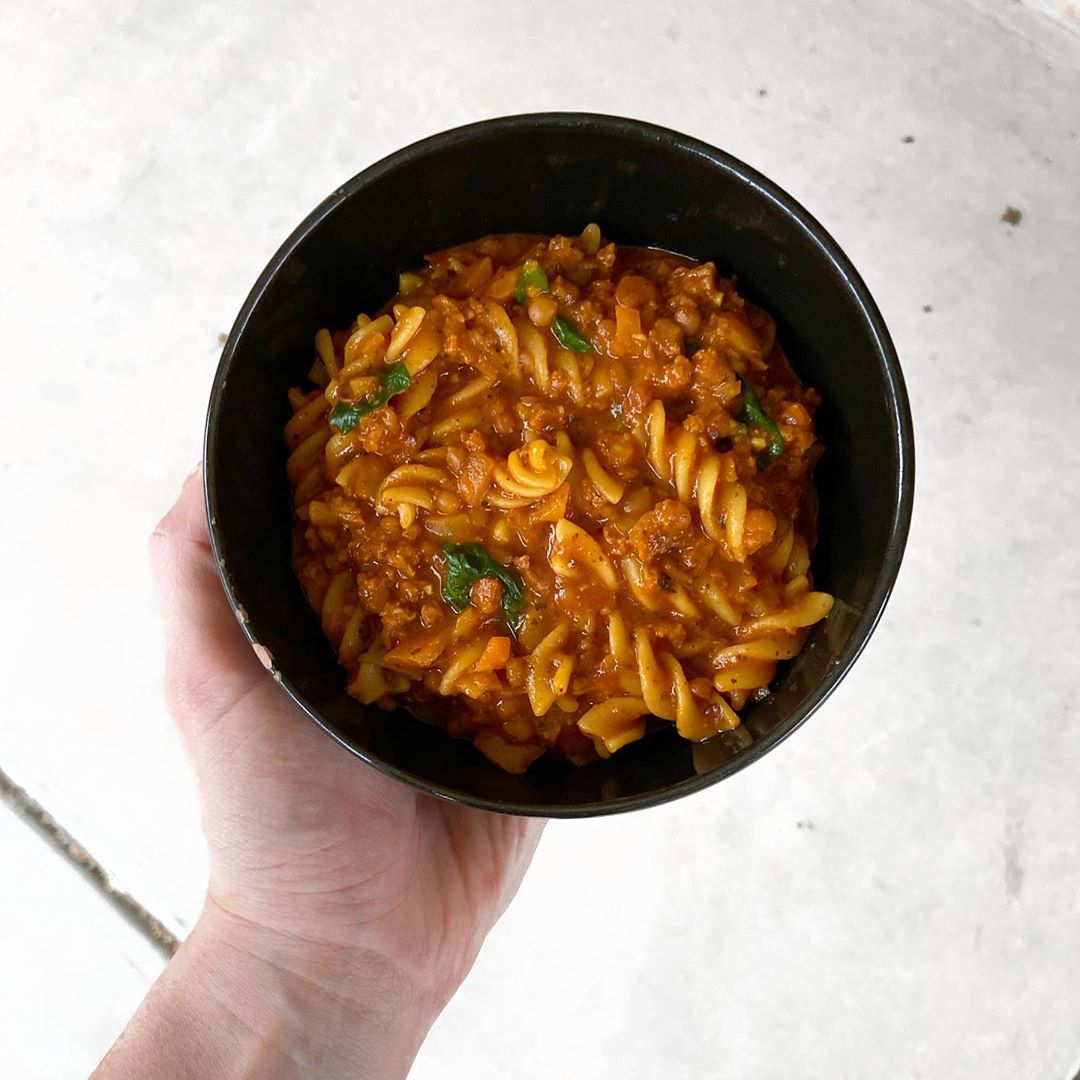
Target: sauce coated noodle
<point x="555" y="488"/>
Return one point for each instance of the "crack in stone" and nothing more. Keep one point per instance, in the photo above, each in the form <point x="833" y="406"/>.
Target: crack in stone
<point x="50" y="830"/>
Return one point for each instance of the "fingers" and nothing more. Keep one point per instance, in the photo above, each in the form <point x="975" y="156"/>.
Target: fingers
<point x="209" y="663"/>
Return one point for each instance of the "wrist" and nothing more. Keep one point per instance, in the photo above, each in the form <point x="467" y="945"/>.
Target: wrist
<point x="323" y="1009"/>
<point x="238" y="1001"/>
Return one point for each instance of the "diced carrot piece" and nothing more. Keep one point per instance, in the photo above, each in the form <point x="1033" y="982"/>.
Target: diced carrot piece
<point x="495" y="655"/>
<point x="627" y="327"/>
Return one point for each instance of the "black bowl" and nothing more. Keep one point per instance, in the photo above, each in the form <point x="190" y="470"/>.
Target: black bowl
<point x="552" y="173"/>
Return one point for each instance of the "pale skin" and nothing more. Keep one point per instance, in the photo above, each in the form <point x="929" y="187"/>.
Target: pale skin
<point x="343" y="909"/>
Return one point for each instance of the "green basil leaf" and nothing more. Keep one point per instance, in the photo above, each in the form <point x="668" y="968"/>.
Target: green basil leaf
<point x="566" y="333"/>
<point x="531" y="282"/>
<point x="395" y="380"/>
<point x="466" y="564"/>
<point x="513" y="597"/>
<point x="347" y="414"/>
<point x="753" y="413"/>
<point x="459" y="573"/>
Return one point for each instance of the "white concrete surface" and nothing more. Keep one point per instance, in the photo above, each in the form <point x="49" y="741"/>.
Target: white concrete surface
<point x="72" y="970"/>
<point x="892" y="894"/>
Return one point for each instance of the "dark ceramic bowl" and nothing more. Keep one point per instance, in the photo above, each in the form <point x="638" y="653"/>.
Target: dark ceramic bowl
<point x="554" y="173"/>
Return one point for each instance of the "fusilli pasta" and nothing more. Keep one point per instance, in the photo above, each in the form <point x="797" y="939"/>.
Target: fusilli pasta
<point x="554" y="493"/>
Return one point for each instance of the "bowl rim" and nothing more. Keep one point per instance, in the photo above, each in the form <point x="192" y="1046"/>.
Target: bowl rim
<point x="896" y="395"/>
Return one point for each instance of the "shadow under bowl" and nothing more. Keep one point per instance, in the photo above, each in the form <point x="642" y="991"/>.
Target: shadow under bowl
<point x="549" y="173"/>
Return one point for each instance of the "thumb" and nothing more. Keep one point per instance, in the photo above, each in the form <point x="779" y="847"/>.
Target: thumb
<point x="209" y="663"/>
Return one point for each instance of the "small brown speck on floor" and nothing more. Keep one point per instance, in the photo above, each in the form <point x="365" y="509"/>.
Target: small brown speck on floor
<point x="928" y="308"/>
<point x="762" y="92"/>
<point x="1012" y="216"/>
<point x="222" y="338"/>
<point x="908" y="139"/>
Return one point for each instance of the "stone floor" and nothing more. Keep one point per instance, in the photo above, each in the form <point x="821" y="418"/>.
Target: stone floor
<point x="893" y="893"/>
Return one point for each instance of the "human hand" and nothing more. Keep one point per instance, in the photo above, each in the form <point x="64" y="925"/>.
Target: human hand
<point x="346" y="891"/>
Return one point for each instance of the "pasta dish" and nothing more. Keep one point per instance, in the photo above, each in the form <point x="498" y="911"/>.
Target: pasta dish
<point x="555" y="492"/>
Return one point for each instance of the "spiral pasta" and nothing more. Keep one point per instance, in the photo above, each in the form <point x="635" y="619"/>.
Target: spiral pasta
<point x="698" y="475"/>
<point x="533" y="471"/>
<point x="555" y="493"/>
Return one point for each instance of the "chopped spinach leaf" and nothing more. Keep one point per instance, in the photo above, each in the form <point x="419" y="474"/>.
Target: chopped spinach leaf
<point x="347" y="414"/>
<point x="466" y="564"/>
<point x="532" y="282"/>
<point x="568" y="336"/>
<point x="754" y="414"/>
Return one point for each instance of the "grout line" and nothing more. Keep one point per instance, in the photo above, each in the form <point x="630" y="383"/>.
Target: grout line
<point x="50" y="830"/>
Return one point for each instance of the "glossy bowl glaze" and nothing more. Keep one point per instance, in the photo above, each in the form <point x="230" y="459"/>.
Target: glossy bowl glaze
<point x="551" y="173"/>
